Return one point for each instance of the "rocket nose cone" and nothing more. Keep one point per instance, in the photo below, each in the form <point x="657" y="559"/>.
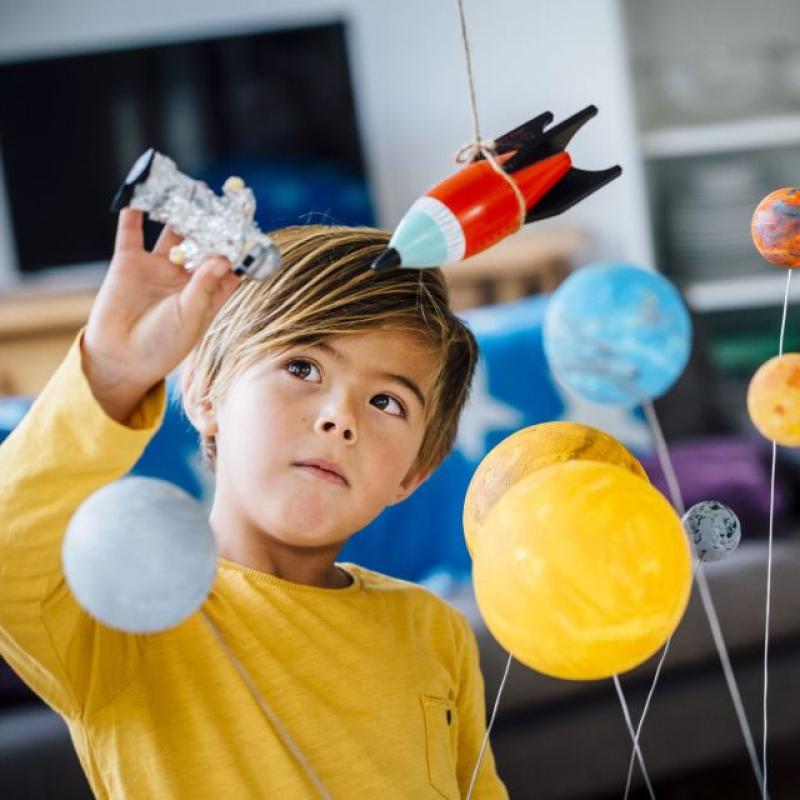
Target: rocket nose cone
<point x="387" y="259"/>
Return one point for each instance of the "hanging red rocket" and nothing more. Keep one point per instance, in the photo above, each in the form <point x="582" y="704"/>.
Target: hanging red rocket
<point x="476" y="207"/>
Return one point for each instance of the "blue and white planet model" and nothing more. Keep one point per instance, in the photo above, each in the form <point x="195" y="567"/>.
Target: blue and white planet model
<point x="617" y="334"/>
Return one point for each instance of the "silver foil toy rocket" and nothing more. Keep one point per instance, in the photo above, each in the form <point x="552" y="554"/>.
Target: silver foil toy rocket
<point x="210" y="224"/>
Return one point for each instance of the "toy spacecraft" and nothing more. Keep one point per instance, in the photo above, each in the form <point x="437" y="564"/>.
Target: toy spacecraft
<point x="476" y="207"/>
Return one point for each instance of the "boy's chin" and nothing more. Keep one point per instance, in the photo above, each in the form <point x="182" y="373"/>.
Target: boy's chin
<point x="313" y="542"/>
<point x="315" y="525"/>
<point x="308" y="533"/>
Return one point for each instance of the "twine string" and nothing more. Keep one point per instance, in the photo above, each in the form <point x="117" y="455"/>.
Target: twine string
<point x="486" y="147"/>
<point x="466" y="155"/>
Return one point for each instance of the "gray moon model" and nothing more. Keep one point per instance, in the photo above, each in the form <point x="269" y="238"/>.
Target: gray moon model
<point x="713" y="529"/>
<point x="139" y="555"/>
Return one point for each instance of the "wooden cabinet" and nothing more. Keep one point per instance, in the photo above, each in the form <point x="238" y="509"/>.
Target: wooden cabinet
<point x="36" y="331"/>
<point x="531" y="262"/>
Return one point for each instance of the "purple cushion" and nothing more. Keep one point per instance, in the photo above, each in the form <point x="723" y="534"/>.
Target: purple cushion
<point x="735" y="470"/>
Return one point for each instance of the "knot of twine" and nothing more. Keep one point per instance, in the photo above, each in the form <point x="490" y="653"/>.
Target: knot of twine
<point x="469" y="152"/>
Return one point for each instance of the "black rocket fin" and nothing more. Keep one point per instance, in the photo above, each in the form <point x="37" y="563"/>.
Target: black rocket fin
<point x="571" y="189"/>
<point x="561" y="135"/>
<point x="550" y="142"/>
<point x="521" y="135"/>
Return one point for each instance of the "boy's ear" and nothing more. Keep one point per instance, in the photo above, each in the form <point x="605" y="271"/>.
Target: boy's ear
<point x="202" y="416"/>
<point x="410" y="484"/>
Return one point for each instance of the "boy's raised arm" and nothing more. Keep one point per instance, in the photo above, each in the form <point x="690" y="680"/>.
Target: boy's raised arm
<point x="87" y="428"/>
<point x="64" y="449"/>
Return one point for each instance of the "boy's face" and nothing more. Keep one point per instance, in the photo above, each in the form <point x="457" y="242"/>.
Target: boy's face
<point x="355" y="402"/>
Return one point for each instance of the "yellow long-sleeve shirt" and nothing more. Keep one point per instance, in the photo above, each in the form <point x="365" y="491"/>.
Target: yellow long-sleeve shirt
<point x="378" y="683"/>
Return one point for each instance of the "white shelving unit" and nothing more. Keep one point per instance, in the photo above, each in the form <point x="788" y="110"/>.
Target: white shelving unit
<point x="744" y="292"/>
<point x="722" y="137"/>
<point x="680" y="136"/>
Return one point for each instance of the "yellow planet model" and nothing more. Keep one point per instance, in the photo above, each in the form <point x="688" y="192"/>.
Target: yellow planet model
<point x="582" y="570"/>
<point x="773" y="399"/>
<point x="527" y="451"/>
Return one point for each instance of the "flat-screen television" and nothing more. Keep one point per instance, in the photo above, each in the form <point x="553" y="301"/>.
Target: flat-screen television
<point x="275" y="107"/>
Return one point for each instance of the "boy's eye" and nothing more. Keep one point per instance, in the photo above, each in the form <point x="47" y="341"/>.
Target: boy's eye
<point x="301" y="369"/>
<point x="387" y="403"/>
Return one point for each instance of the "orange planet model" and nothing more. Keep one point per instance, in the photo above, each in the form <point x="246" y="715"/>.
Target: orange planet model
<point x="776" y="227"/>
<point x="527" y="451"/>
<point x="582" y="570"/>
<point x="773" y="399"/>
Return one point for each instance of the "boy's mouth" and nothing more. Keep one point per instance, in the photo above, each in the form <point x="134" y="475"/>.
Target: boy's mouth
<point x="326" y="470"/>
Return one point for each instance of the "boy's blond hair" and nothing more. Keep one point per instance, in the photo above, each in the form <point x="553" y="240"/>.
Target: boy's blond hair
<point x="324" y="288"/>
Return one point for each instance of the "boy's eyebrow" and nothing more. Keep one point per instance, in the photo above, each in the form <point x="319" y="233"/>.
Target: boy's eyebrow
<point x="402" y="379"/>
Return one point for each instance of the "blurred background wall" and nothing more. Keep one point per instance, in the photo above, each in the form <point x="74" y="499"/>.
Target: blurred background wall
<point x="348" y="110"/>
<point x="699" y="102"/>
<point x="409" y="82"/>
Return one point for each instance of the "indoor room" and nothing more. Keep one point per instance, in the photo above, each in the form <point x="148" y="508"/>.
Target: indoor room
<point x="399" y="399"/>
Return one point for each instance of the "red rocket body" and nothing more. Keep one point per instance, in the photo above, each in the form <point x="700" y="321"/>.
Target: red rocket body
<point x="487" y="207"/>
<point x="478" y="206"/>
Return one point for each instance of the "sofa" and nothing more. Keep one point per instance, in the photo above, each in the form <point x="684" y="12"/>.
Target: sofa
<point x="552" y="739"/>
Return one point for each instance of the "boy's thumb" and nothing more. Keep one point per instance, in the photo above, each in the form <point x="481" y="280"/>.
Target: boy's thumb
<point x="209" y="287"/>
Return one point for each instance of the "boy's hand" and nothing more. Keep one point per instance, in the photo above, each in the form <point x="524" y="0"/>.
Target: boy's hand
<point x="147" y="316"/>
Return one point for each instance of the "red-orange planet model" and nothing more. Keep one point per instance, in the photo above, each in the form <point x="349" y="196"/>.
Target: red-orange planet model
<point x="776" y="227"/>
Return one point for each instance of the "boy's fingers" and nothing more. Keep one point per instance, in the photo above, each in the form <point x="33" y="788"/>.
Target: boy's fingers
<point x="205" y="293"/>
<point x="166" y="241"/>
<point x="130" y="235"/>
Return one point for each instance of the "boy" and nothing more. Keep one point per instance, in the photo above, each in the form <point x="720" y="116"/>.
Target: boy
<point x="322" y="395"/>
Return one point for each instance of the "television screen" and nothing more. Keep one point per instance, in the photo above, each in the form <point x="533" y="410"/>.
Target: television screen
<point x="273" y="107"/>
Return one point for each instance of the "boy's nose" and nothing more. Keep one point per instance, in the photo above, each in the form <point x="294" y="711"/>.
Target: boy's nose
<point x="345" y="428"/>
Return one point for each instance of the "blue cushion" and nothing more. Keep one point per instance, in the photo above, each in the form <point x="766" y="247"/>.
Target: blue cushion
<point x="422" y="537"/>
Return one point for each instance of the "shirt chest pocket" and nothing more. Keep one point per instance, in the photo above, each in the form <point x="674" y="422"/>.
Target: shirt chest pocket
<point x="441" y="734"/>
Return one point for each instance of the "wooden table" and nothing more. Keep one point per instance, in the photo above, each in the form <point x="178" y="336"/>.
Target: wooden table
<point x="36" y="331"/>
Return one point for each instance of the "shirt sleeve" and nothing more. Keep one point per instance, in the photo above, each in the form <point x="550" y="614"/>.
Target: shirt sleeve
<point x="63" y="450"/>
<point x="472" y="722"/>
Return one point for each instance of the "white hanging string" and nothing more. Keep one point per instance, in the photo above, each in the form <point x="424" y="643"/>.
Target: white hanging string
<point x="489" y="728"/>
<point x="487" y="148"/>
<point x="647" y="702"/>
<point x="767" y="611"/>
<point x="634" y="736"/>
<point x="769" y="550"/>
<point x="270" y="714"/>
<point x="705" y="595"/>
<point x="637" y="735"/>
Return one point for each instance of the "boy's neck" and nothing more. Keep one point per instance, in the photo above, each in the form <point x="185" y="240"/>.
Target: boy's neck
<point x="307" y="566"/>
